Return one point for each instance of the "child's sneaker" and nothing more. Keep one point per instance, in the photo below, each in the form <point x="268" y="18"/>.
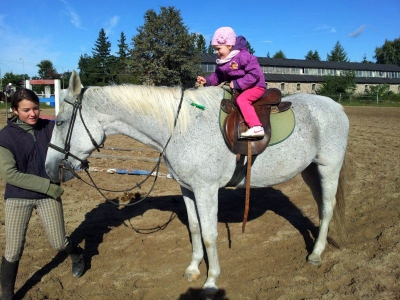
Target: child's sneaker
<point x="253" y="132"/>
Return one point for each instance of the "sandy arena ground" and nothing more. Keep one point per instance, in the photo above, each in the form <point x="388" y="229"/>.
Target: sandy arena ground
<point x="141" y="251"/>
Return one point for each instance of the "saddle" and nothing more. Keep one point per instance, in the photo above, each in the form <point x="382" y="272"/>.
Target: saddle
<point x="234" y="123"/>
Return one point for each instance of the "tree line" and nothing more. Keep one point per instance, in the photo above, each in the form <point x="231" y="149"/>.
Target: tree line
<point x="164" y="52"/>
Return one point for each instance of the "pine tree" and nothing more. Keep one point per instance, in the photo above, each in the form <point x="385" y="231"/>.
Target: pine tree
<point x="122" y="67"/>
<point x="164" y="52"/>
<point x="200" y="43"/>
<point x="337" y="54"/>
<point x="102" y="58"/>
<point x="313" y="56"/>
<point x="279" y="54"/>
<point x="123" y="47"/>
<point x="210" y="49"/>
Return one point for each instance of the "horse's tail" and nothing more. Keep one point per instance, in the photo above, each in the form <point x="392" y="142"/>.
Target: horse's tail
<point x="339" y="212"/>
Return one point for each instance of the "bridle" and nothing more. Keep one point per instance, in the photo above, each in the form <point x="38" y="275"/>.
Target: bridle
<point x="65" y="164"/>
<point x="77" y="107"/>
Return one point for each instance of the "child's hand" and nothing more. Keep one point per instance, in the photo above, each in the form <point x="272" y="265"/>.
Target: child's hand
<point x="201" y="80"/>
<point x="232" y="86"/>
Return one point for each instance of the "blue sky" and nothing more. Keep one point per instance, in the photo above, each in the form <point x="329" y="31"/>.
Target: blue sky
<point x="62" y="30"/>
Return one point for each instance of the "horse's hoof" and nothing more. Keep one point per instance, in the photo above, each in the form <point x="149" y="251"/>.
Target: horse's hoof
<point x="192" y="275"/>
<point x="314" y="259"/>
<point x="208" y="293"/>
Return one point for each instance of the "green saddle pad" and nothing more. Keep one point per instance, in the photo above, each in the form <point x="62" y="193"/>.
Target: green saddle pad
<point x="282" y="125"/>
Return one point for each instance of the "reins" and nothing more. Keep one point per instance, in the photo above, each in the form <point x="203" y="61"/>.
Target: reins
<point x="65" y="164"/>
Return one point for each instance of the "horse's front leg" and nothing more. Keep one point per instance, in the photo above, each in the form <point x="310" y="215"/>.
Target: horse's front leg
<point x="207" y="209"/>
<point x="192" y="271"/>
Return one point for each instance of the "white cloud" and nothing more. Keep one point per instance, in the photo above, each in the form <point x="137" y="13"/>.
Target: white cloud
<point x="358" y="31"/>
<point x="75" y="19"/>
<point x="326" y="28"/>
<point x="111" y="24"/>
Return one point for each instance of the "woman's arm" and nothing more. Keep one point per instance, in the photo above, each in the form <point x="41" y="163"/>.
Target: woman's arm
<point x="11" y="175"/>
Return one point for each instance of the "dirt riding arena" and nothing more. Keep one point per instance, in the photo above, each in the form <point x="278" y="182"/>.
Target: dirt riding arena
<point x="141" y="251"/>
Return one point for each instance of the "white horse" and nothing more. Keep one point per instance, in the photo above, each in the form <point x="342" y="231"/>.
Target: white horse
<point x="197" y="156"/>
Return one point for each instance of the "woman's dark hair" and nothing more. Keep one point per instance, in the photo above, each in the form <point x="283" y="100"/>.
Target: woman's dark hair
<point x="23" y="94"/>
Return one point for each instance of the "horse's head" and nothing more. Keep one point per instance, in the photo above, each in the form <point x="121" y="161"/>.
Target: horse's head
<point x="76" y="134"/>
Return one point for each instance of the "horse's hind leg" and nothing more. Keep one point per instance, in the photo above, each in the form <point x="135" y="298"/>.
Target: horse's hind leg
<point x="323" y="181"/>
<point x="192" y="271"/>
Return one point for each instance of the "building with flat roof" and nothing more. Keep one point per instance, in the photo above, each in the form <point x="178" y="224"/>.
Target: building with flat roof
<point x="296" y="75"/>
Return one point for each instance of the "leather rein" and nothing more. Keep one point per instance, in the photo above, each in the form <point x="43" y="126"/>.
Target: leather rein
<point x="65" y="164"/>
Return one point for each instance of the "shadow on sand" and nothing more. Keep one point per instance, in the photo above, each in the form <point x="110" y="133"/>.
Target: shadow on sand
<point x="101" y="219"/>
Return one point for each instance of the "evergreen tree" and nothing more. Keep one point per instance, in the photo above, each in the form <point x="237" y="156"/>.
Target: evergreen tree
<point x="389" y="53"/>
<point x="365" y="61"/>
<point x="250" y="48"/>
<point x="268" y="55"/>
<point x="210" y="49"/>
<point x="200" y="43"/>
<point x="102" y="58"/>
<point x="337" y="54"/>
<point x="122" y="67"/>
<point x="279" y="54"/>
<point x="123" y="47"/>
<point x="164" y="52"/>
<point x="313" y="56"/>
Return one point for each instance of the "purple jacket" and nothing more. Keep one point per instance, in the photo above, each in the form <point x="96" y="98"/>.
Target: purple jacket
<point x="243" y="69"/>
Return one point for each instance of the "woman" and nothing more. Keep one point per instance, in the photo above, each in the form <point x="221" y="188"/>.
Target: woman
<point x="23" y="148"/>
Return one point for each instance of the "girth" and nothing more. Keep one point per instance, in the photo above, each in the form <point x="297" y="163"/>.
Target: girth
<point x="234" y="125"/>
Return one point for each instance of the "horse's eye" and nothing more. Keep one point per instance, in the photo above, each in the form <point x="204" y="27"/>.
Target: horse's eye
<point x="59" y="123"/>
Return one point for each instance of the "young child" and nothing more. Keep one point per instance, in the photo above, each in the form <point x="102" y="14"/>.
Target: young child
<point x="237" y="66"/>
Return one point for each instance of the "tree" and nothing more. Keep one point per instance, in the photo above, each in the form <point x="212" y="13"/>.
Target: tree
<point x="389" y="53"/>
<point x="122" y="67"/>
<point x="200" y="43"/>
<point x="337" y="54"/>
<point x="343" y="84"/>
<point x="279" y="54"/>
<point x="312" y="56"/>
<point x="268" y="55"/>
<point x="47" y="70"/>
<point x="102" y="58"/>
<point x="164" y="52"/>
<point x="365" y="61"/>
<point x="15" y="79"/>
<point x="87" y="70"/>
<point x="250" y="48"/>
<point x="210" y="49"/>
<point x="123" y="47"/>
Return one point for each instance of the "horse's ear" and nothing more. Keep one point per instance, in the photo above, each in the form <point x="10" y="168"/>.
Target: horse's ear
<point x="75" y="84"/>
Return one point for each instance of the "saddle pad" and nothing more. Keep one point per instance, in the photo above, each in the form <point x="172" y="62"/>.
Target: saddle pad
<point x="282" y="125"/>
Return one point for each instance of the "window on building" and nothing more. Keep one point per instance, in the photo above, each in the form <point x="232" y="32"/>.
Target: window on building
<point x="313" y="87"/>
<point x="298" y="87"/>
<point x="282" y="86"/>
<point x="366" y="88"/>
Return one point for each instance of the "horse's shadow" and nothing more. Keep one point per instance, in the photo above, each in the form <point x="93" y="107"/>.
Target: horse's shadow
<point x="101" y="219"/>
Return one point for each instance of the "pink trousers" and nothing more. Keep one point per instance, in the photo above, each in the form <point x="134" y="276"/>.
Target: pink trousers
<point x="244" y="101"/>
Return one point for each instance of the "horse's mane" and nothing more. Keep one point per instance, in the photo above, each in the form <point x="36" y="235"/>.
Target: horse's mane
<point x="161" y="103"/>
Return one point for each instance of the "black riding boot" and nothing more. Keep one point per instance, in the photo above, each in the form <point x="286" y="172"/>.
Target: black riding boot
<point x="9" y="272"/>
<point x="78" y="264"/>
